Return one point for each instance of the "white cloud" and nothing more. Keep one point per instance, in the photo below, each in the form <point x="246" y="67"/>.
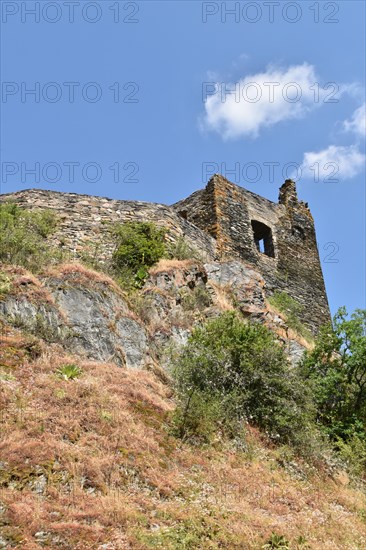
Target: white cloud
<point x="336" y="163"/>
<point x="263" y="99"/>
<point x="240" y="61"/>
<point x="212" y="75"/>
<point x="357" y="123"/>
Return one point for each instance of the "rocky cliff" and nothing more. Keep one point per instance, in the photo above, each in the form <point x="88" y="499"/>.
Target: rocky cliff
<point x="87" y="313"/>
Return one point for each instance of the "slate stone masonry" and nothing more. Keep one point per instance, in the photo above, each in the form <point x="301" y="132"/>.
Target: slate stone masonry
<point x="222" y="221"/>
<point x="85" y="221"/>
<point x="239" y="219"/>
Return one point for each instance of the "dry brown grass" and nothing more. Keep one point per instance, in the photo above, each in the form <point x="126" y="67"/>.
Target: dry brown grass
<point x="288" y="333"/>
<point x="24" y="282"/>
<point x="169" y="266"/>
<point x="107" y="471"/>
<point x="223" y="297"/>
<point x="82" y="274"/>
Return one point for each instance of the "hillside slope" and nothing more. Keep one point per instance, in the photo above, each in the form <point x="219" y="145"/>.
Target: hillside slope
<point x="87" y="455"/>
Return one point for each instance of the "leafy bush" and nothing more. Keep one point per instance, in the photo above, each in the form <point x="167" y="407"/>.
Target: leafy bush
<point x="336" y="368"/>
<point x="139" y="246"/>
<point x="23" y="237"/>
<point x="353" y="453"/>
<point x="231" y="372"/>
<point x="292" y="311"/>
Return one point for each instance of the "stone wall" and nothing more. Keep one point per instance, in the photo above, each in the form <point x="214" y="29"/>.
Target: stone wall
<point x="222" y="221"/>
<point x="85" y="220"/>
<point x="226" y="211"/>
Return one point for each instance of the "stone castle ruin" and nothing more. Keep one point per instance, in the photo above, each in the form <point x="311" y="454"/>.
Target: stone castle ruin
<point x="223" y="221"/>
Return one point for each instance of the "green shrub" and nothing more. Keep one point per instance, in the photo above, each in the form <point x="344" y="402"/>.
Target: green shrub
<point x="181" y="250"/>
<point x="69" y="372"/>
<point x="23" y="237"/>
<point x="277" y="541"/>
<point x="336" y="369"/>
<point x="202" y="531"/>
<point x="5" y="284"/>
<point x="139" y="245"/>
<point x="231" y="372"/>
<point x="292" y="311"/>
<point x="353" y="453"/>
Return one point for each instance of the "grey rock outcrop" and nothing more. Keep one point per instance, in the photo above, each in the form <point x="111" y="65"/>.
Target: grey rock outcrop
<point x="100" y="323"/>
<point x="88" y="314"/>
<point x="179" y="297"/>
<point x="81" y="311"/>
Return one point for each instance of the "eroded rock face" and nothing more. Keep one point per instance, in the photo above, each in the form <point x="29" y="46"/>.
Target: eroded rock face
<point x="295" y="351"/>
<point x="208" y="290"/>
<point x="86" y="315"/>
<point x="37" y="318"/>
<point x="245" y="284"/>
<point x="176" y="298"/>
<point x="100" y="323"/>
<point x="89" y="315"/>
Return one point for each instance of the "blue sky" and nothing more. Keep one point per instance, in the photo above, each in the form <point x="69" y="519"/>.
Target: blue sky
<point x="132" y="102"/>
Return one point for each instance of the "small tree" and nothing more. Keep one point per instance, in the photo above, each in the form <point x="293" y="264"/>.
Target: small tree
<point x="337" y="370"/>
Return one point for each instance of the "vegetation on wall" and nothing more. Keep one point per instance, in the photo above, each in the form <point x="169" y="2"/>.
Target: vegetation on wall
<point x="139" y="245"/>
<point x="23" y="237"/>
<point x="292" y="310"/>
<point x="24" y="241"/>
<point x="181" y="250"/>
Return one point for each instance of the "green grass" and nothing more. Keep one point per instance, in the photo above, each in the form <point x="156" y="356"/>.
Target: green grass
<point x="69" y="372"/>
<point x="292" y="311"/>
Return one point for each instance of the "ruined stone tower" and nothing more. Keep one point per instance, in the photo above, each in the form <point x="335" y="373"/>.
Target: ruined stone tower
<point x="223" y="221"/>
<point x="278" y="238"/>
